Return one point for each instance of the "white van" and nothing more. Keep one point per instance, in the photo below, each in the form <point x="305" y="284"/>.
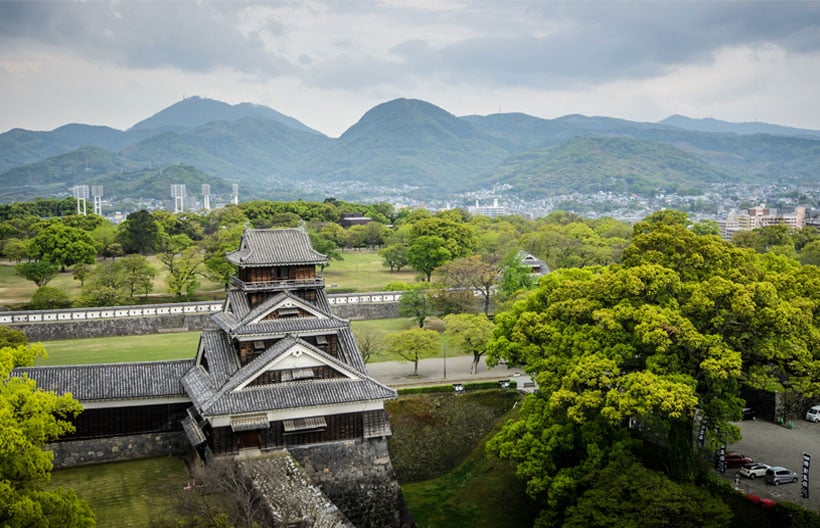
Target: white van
<point x="813" y="414"/>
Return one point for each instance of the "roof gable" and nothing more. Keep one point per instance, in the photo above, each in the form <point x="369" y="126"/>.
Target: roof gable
<point x="284" y="300"/>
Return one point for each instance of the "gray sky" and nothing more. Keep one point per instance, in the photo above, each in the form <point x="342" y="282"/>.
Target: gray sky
<point x="327" y="62"/>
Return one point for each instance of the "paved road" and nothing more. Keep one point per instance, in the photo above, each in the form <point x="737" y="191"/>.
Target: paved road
<point x="432" y="372"/>
<point x="779" y="446"/>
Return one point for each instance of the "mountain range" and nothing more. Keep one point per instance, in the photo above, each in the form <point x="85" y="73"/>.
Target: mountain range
<point x="408" y="145"/>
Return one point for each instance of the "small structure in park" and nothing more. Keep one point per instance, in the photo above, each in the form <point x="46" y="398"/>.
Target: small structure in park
<point x="280" y="368"/>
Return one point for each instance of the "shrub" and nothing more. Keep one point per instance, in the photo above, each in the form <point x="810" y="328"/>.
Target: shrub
<point x="49" y="298"/>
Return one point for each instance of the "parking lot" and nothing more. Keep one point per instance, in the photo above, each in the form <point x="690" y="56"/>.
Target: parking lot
<point x="776" y="445"/>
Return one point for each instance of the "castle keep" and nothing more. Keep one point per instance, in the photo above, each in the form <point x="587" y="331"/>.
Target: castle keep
<point x="278" y="371"/>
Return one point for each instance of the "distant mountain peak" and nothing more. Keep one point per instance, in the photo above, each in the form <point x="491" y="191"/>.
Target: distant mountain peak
<point x="195" y="111"/>
<point x="710" y="124"/>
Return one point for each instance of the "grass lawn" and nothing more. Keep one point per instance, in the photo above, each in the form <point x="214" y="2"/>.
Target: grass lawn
<point x="121" y="349"/>
<point x="160" y="347"/>
<point x="363" y="271"/>
<point x="125" y="494"/>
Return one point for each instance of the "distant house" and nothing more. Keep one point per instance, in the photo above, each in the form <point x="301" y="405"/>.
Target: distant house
<point x="351" y="219"/>
<point x="537" y="266"/>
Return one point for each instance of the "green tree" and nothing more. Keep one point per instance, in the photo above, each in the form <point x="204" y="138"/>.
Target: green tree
<point x="470" y="334"/>
<point x="416" y="303"/>
<point x="40" y="272"/>
<point x="31" y="418"/>
<point x="682" y="324"/>
<point x="395" y="256"/>
<point x="48" y="298"/>
<point x="414" y="344"/>
<point x="137" y="274"/>
<point x="104" y="286"/>
<point x="16" y="249"/>
<point x="63" y="246"/>
<point x="139" y="233"/>
<point x="81" y="272"/>
<point x="426" y="253"/>
<point x="810" y="254"/>
<point x="514" y="277"/>
<point x="216" y="246"/>
<point x="625" y="493"/>
<point x="455" y="235"/>
<point x="183" y="261"/>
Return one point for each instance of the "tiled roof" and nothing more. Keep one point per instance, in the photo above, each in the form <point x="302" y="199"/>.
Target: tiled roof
<point x="276" y="299"/>
<point x="275" y="247"/>
<point x="276" y="327"/>
<point x="211" y="399"/>
<point x="238" y="303"/>
<point x="112" y="381"/>
<point x="220" y="355"/>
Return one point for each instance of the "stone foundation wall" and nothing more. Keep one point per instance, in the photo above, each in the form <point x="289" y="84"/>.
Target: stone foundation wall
<point x="150" y="325"/>
<point x="358" y="477"/>
<point x="114" y="449"/>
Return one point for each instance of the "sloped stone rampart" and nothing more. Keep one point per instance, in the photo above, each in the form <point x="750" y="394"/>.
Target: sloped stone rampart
<point x="358" y="477"/>
<point x="289" y="495"/>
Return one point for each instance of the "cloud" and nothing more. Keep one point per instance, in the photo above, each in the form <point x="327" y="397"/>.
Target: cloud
<point x="196" y="37"/>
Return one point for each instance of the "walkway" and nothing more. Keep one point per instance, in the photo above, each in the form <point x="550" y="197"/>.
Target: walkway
<point x="439" y="371"/>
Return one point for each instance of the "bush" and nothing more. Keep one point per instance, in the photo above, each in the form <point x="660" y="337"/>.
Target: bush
<point x="48" y="298"/>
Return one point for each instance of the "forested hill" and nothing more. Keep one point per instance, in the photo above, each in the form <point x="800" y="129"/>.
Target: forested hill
<point x="407" y="144"/>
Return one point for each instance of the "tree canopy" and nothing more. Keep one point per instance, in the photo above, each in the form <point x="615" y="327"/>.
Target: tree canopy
<point x="31" y="417"/>
<point x="646" y="350"/>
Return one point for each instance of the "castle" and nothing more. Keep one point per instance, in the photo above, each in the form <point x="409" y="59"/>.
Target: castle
<point x="276" y="371"/>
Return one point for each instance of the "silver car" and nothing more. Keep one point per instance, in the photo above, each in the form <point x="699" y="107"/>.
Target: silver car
<point x="777" y="475"/>
<point x="813" y="414"/>
<point x="754" y="470"/>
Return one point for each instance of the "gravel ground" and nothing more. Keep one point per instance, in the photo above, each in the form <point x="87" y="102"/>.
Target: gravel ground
<point x="776" y="445"/>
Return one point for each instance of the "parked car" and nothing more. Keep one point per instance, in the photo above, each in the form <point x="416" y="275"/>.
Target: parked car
<point x="813" y="414"/>
<point x="754" y="470"/>
<point x="749" y="413"/>
<point x="778" y="475"/>
<point x="734" y="460"/>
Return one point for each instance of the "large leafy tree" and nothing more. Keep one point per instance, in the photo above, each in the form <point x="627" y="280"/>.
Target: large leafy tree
<point x="426" y="253"/>
<point x="632" y="351"/>
<point x="40" y="272"/>
<point x="29" y="418"/>
<point x="479" y="272"/>
<point x="63" y="246"/>
<point x="183" y="261"/>
<point x="139" y="233"/>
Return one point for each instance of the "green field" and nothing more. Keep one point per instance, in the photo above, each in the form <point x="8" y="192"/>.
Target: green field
<point x="126" y="494"/>
<point x="159" y="347"/>
<point x="123" y="349"/>
<point x="363" y="271"/>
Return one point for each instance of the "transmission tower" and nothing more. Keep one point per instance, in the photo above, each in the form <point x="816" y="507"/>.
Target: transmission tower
<point x="235" y="195"/>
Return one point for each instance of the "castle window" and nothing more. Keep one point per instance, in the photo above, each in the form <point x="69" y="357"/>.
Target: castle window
<point x="304" y="424"/>
<point x="259" y="345"/>
<point x="321" y="340"/>
<point x="288" y="312"/>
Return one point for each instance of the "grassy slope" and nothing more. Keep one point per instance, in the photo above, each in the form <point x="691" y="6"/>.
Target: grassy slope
<point x="469" y="488"/>
<point x="125" y="494"/>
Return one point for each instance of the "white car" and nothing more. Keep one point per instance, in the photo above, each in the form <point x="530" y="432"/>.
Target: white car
<point x="754" y="470"/>
<point x="813" y="414"/>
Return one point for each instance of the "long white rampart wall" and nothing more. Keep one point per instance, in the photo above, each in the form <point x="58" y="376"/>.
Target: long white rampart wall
<point x="152" y="310"/>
